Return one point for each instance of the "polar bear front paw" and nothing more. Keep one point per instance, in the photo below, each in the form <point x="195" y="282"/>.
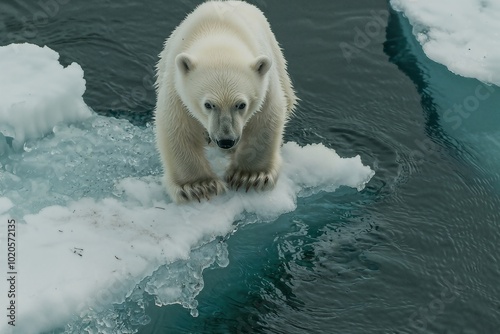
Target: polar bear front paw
<point x="247" y="180"/>
<point x="199" y="190"/>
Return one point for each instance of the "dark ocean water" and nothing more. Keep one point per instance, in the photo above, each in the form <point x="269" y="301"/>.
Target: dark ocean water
<point x="415" y="252"/>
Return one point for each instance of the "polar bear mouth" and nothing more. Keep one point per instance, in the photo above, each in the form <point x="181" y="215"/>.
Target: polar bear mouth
<point x="226" y="144"/>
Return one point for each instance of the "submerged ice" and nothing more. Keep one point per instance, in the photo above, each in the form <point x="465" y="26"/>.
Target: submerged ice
<point x="96" y="227"/>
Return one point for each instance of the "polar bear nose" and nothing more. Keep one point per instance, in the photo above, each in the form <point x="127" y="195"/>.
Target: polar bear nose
<point x="226" y="143"/>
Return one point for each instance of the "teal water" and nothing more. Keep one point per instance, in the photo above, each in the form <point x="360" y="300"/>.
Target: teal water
<point x="415" y="252"/>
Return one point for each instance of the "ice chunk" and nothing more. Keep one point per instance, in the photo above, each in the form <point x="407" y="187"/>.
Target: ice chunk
<point x="36" y="92"/>
<point x="463" y="35"/>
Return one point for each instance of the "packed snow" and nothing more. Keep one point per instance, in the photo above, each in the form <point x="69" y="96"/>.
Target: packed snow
<point x="463" y="35"/>
<point x="94" y="226"/>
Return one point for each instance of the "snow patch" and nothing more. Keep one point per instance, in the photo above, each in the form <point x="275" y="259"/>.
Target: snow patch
<point x="463" y="35"/>
<point x="36" y="93"/>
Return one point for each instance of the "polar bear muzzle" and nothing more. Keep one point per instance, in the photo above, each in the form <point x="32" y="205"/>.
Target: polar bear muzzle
<point x="226" y="143"/>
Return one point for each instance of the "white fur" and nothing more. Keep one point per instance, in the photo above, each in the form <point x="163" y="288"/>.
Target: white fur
<point x="223" y="55"/>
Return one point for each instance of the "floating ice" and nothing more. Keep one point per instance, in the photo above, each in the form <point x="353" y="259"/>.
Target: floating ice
<point x="463" y="35"/>
<point x="36" y="92"/>
<point x="95" y="227"/>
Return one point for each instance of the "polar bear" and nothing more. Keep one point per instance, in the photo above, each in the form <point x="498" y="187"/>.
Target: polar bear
<point x="221" y="79"/>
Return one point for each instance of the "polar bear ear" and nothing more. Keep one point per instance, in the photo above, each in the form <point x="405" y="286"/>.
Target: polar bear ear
<point x="185" y="63"/>
<point x="262" y="64"/>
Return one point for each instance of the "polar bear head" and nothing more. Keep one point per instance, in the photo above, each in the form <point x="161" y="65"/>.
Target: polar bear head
<point x="222" y="92"/>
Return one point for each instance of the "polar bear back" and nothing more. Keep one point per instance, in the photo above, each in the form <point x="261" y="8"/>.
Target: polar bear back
<point x="238" y="18"/>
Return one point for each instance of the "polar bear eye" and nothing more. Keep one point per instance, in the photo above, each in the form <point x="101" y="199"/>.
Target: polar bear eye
<point x="241" y="106"/>
<point x="209" y="106"/>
